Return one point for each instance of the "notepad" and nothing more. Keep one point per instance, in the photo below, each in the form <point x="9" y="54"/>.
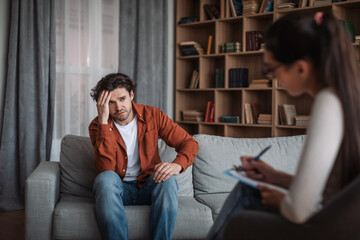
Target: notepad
<point x="241" y="176"/>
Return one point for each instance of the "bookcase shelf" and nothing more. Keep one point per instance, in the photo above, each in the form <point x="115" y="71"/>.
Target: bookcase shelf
<point x="231" y="101"/>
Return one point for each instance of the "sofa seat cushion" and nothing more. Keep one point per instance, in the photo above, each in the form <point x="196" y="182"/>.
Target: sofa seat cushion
<point x="218" y="154"/>
<point x="74" y="218"/>
<point x="78" y="170"/>
<point x="214" y="201"/>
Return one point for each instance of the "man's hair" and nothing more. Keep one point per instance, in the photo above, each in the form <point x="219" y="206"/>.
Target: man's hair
<point x="111" y="82"/>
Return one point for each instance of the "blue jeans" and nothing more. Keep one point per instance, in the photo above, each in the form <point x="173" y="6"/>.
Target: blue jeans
<point x="112" y="194"/>
<point x="241" y="198"/>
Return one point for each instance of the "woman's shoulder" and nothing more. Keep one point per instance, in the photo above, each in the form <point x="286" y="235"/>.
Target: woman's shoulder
<point x="327" y="96"/>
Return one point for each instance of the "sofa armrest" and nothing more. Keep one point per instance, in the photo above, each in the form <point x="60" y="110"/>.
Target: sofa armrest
<point x="42" y="189"/>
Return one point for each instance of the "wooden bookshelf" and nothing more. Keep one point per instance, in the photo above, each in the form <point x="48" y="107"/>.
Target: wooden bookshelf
<point x="231" y="101"/>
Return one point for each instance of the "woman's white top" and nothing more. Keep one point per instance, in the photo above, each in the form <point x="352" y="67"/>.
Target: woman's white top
<point x="325" y="134"/>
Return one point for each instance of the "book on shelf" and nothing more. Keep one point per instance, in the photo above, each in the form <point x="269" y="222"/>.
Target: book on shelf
<point x="208" y="50"/>
<point x="260" y="83"/>
<point x="286" y="5"/>
<point x="236" y="7"/>
<point x="210" y="111"/>
<point x="184" y="20"/>
<point x="250" y="7"/>
<point x="321" y="2"/>
<point x="254" y="39"/>
<point x="249" y="115"/>
<point x="263" y="6"/>
<point x="212" y="11"/>
<point x="302" y="120"/>
<point x="189" y="48"/>
<point x="193" y="115"/>
<point x="287" y="113"/>
<point x="230" y="119"/>
<point x="238" y="77"/>
<point x="256" y="109"/>
<point x="231" y="47"/>
<point x="265" y="119"/>
<point x="219" y="78"/>
<point x="194" y="81"/>
<point x="270" y="6"/>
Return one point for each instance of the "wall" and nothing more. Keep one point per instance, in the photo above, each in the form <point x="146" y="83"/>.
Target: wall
<point x="4" y="37"/>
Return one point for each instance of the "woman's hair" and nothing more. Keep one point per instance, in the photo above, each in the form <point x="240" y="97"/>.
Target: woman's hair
<point x="111" y="82"/>
<point x="322" y="41"/>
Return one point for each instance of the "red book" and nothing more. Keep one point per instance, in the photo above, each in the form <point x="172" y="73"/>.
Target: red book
<point x="212" y="112"/>
<point x="207" y="114"/>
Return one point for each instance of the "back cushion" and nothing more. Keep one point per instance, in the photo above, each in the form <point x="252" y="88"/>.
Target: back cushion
<point x="185" y="179"/>
<point x="218" y="154"/>
<point x="77" y="166"/>
<point x="78" y="170"/>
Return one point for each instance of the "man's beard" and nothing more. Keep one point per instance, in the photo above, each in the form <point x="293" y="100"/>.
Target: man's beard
<point x="122" y="117"/>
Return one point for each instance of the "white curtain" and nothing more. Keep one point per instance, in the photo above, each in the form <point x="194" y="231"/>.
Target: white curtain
<point x="87" y="36"/>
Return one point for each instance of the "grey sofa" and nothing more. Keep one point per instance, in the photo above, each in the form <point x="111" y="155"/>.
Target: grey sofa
<point x="60" y="203"/>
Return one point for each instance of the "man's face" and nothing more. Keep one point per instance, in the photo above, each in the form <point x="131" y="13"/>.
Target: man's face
<point x="120" y="107"/>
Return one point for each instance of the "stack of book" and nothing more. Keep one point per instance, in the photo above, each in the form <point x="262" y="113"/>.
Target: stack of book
<point x="254" y="39"/>
<point x="190" y="48"/>
<point x="264" y="119"/>
<point x="210" y="111"/>
<point x="321" y="2"/>
<point x="194" y="81"/>
<point x="302" y="120"/>
<point x="193" y="115"/>
<point x="238" y="77"/>
<point x="286" y="5"/>
<point x="231" y="47"/>
<point x="287" y="113"/>
<point x="230" y="119"/>
<point x="260" y="83"/>
<point x="219" y="78"/>
<point x="250" y="7"/>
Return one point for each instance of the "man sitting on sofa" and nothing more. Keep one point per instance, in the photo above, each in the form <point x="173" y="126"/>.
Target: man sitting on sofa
<point x="124" y="136"/>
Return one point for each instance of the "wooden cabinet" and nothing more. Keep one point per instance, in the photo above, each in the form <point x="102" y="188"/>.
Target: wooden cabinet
<point x="231" y="101"/>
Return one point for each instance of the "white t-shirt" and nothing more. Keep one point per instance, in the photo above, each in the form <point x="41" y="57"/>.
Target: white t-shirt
<point x="325" y="135"/>
<point x="129" y="136"/>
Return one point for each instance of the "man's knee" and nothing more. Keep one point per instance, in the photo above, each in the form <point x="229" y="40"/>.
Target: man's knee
<point x="167" y="190"/>
<point x="107" y="181"/>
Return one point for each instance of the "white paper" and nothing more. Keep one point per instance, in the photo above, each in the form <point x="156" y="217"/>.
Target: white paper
<point x="241" y="176"/>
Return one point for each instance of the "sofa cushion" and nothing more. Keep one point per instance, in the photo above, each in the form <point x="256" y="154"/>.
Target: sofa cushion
<point x="214" y="201"/>
<point x="74" y="218"/>
<point x="218" y="154"/>
<point x="78" y="170"/>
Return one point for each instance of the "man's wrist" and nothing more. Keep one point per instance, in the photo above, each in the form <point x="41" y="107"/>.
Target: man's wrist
<point x="103" y="121"/>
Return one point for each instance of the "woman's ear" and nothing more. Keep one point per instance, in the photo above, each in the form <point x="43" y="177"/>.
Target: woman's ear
<point x="303" y="68"/>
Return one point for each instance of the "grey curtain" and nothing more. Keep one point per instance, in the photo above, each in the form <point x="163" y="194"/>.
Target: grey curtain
<point x="144" y="49"/>
<point x="29" y="97"/>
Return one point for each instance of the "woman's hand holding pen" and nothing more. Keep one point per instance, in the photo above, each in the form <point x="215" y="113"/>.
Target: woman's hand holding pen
<point x="259" y="170"/>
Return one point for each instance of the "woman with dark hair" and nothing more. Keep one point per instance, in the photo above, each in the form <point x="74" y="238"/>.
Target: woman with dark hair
<point x="307" y="54"/>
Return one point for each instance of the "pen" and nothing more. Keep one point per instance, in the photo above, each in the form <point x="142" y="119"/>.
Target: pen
<point x="239" y="168"/>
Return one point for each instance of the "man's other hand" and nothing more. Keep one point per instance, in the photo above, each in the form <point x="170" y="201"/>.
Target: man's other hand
<point x="103" y="106"/>
<point x="164" y="170"/>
